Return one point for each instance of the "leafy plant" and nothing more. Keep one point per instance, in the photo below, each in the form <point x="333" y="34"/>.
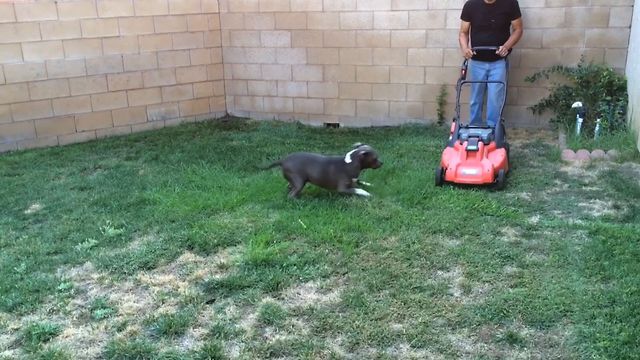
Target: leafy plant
<point x="101" y="309"/>
<point x="600" y="89"/>
<point x="441" y="100"/>
<point x="37" y="333"/>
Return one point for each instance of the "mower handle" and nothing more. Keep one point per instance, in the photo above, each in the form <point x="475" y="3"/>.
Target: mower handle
<point x="465" y="63"/>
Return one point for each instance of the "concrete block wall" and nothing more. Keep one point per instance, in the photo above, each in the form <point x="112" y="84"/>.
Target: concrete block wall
<point x="73" y="71"/>
<point x="374" y="62"/>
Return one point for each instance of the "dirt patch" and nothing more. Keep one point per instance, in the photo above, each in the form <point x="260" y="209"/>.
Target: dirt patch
<point x="312" y="294"/>
<point x="524" y="136"/>
<point x="34" y="208"/>
<point x="598" y="208"/>
<point x="510" y="234"/>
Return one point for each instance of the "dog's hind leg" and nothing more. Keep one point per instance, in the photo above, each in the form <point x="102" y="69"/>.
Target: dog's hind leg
<point x="295" y="185"/>
<point x="355" y="191"/>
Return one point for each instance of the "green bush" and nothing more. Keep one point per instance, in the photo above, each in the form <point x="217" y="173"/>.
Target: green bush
<point x="602" y="90"/>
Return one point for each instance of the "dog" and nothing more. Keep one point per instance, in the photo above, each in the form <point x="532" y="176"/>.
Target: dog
<point x="338" y="173"/>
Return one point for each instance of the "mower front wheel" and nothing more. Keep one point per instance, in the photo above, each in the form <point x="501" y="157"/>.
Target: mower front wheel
<point x="439" y="176"/>
<point x="501" y="180"/>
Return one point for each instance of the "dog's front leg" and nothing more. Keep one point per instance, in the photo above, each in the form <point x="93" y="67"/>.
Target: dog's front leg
<point x="357" y="181"/>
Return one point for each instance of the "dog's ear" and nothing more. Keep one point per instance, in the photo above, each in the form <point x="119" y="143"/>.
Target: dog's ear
<point x="357" y="145"/>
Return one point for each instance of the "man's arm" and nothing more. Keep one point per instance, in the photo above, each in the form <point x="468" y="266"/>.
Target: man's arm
<point x="516" y="34"/>
<point x="463" y="38"/>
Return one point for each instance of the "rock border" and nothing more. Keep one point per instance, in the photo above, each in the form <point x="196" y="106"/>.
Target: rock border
<point x="583" y="155"/>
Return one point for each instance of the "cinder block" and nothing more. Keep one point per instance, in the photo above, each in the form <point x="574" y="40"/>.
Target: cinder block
<point x="171" y="59"/>
<point x="607" y="38"/>
<point x="306" y="5"/>
<point x="249" y="103"/>
<point x="124" y="81"/>
<point x="408" y="38"/>
<point x="144" y="97"/>
<point x="426" y="57"/>
<point x="128" y="116"/>
<point x="76" y="138"/>
<point x="170" y="24"/>
<point x="151" y="7"/>
<point x="255" y="21"/>
<point x="278" y="104"/>
<point x="99" y="27"/>
<point x="566" y="37"/>
<point x="405" y="109"/>
<point x="200" y="56"/>
<point x="291" y="56"/>
<point x="31" y="110"/>
<point x="194" y="107"/>
<point x="275" y="38"/>
<point x="203" y="89"/>
<point x="177" y="93"/>
<point x="144" y="61"/>
<point x="7" y="13"/>
<point x="276" y="72"/>
<point x="105" y="65"/>
<point x="372" y="74"/>
<point x="262" y="88"/>
<point x="587" y="17"/>
<point x="2" y="79"/>
<point x="356" y="20"/>
<point x="24" y="72"/>
<point x="239" y="87"/>
<point x="58" y="30"/>
<point x="49" y="89"/>
<point x="10" y="53"/>
<point x="391" y="20"/>
<point x="136" y="25"/>
<point x="93" y="121"/>
<point x="13" y="93"/>
<point x="5" y="114"/>
<point x="355" y="91"/>
<point x="216" y="56"/>
<point x="73" y="10"/>
<point x="88" y="85"/>
<point x="55" y="126"/>
<point x="19" y="32"/>
<point x="35" y="11"/>
<point x="17" y="131"/>
<point x="191" y="74"/>
<point x="306" y="38"/>
<point x="339" y="5"/>
<point x="217" y="105"/>
<point x="307" y="73"/>
<point x="246" y="71"/>
<point x="185" y="7"/>
<point x="148" y="126"/>
<point x="38" y="143"/>
<point x="162" y="77"/>
<point x="82" y="48"/>
<point x="188" y="40"/>
<point x="42" y="50"/>
<point x="274" y="6"/>
<point x="368" y="108"/>
<point x="215" y="72"/>
<point x="115" y="131"/>
<point x="323" y="21"/>
<point x="427" y="19"/>
<point x="621" y="16"/>
<point x="407" y="75"/>
<point x="72" y="105"/>
<point x="291" y="21"/>
<point x="362" y="56"/>
<point x="340" y="38"/>
<point x="214" y="21"/>
<point x="374" y="5"/>
<point x="326" y="90"/>
<point x="396" y="92"/>
<point x="212" y="39"/>
<point x="292" y="89"/>
<point x="197" y="23"/>
<point x="308" y="106"/>
<point x="162" y="112"/>
<point x="210" y="6"/>
<point x="120" y="45"/>
<point x="115" y="8"/>
<point x="340" y="107"/>
<point x="340" y="73"/>
<point x="109" y="101"/>
<point x="544" y="17"/>
<point x="389" y="56"/>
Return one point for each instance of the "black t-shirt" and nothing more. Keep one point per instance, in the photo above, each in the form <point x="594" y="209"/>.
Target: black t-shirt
<point x="490" y="24"/>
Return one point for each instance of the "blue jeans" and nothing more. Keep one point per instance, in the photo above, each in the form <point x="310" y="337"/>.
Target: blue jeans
<point x="491" y="71"/>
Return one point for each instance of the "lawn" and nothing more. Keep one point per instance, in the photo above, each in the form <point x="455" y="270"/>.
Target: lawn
<point x="173" y="244"/>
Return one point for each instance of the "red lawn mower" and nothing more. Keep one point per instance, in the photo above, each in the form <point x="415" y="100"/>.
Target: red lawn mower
<point x="475" y="155"/>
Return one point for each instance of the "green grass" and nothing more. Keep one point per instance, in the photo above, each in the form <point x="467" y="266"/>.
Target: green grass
<point x="175" y="245"/>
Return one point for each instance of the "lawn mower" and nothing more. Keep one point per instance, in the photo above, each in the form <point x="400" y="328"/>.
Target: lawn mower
<point x="475" y="155"/>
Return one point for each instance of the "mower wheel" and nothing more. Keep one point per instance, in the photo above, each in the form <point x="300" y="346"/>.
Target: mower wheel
<point x="501" y="180"/>
<point x="439" y="176"/>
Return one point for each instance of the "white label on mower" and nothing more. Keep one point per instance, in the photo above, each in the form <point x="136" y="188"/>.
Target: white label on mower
<point x="470" y="171"/>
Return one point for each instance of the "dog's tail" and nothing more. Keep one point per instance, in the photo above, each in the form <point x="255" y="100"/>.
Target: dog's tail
<point x="272" y="165"/>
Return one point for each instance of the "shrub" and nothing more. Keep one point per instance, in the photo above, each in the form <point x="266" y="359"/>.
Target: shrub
<point x="600" y="89"/>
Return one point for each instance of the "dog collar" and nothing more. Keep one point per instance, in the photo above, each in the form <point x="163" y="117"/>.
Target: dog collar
<point x="347" y="158"/>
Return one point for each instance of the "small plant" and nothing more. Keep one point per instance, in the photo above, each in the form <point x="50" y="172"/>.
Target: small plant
<point x="442" y="104"/>
<point x="602" y="91"/>
<point x="86" y="245"/>
<point x="135" y="349"/>
<point x="110" y="230"/>
<point x="212" y="350"/>
<point x="172" y="324"/>
<point x="38" y="333"/>
<point x="101" y="309"/>
<point x="272" y="314"/>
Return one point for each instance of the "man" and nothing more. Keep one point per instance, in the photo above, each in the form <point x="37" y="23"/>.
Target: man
<point x="489" y="23"/>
